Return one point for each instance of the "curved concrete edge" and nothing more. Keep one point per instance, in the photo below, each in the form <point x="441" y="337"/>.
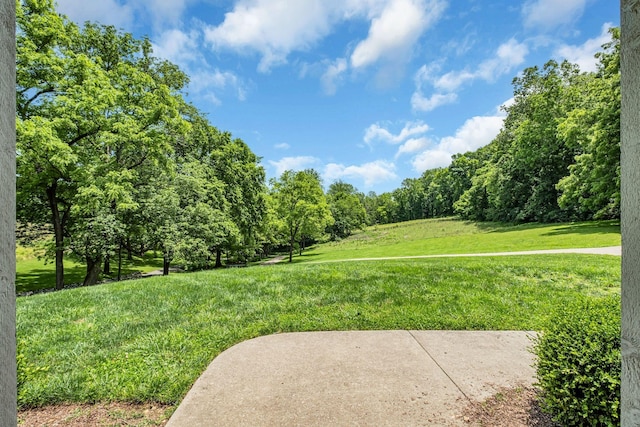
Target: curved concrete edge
<point x="356" y="378"/>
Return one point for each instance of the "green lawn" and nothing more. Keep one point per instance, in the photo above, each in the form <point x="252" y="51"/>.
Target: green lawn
<point x="452" y="236"/>
<point x="33" y="273"/>
<point x="148" y="340"/>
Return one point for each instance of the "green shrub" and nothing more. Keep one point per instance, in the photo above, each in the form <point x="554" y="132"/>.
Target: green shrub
<point x="578" y="367"/>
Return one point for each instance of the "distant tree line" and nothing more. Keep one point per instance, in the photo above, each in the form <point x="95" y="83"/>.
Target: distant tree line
<point x="114" y="162"/>
<point x="556" y="158"/>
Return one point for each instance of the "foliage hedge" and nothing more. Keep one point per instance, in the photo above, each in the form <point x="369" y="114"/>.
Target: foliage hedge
<point x="578" y="367"/>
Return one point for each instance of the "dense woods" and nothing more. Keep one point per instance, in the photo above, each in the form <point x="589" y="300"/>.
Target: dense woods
<point x="114" y="161"/>
<point x="557" y="157"/>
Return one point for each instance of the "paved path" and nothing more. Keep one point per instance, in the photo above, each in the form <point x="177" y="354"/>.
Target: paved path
<point x="364" y="378"/>
<point x="609" y="250"/>
<point x="274" y="260"/>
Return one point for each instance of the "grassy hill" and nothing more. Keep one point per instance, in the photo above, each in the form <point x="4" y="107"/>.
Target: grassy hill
<point x="452" y="236"/>
<point x="148" y="340"/>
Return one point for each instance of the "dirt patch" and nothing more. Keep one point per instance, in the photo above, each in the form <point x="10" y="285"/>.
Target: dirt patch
<point x="510" y="407"/>
<point x="101" y="414"/>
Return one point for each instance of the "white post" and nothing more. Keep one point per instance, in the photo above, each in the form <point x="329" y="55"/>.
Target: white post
<point x="630" y="167"/>
<point x="7" y="213"/>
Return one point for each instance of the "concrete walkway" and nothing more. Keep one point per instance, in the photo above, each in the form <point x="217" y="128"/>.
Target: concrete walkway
<point x="364" y="378"/>
<point x="609" y="250"/>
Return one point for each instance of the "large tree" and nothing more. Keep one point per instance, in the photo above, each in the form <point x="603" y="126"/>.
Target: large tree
<point x="592" y="188"/>
<point x="301" y="204"/>
<point x="93" y="106"/>
<point x="345" y="203"/>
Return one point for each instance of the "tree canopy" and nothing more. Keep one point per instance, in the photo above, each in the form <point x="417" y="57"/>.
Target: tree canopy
<point x="556" y="158"/>
<point x="301" y="205"/>
<point x="111" y="156"/>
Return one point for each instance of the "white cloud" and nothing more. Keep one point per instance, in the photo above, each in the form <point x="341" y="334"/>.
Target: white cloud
<point x="506" y="104"/>
<point x="376" y="132"/>
<point x="452" y="80"/>
<point x="164" y="11"/>
<point x="476" y="132"/>
<point x="113" y="12"/>
<point x="421" y="103"/>
<point x="413" y="145"/>
<point x="548" y="14"/>
<point x="210" y="83"/>
<point x="108" y="12"/>
<point x="293" y="163"/>
<point x="177" y="46"/>
<point x="583" y="55"/>
<point x="332" y="75"/>
<point x="282" y="146"/>
<point x="508" y="56"/>
<point x="183" y="49"/>
<point x="388" y="38"/>
<point x="431" y="159"/>
<point x="275" y="28"/>
<point x="371" y="173"/>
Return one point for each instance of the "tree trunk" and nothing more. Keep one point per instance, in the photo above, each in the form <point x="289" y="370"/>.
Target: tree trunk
<point x="93" y="271"/>
<point x="58" y="233"/>
<point x="120" y="261"/>
<point x="165" y="265"/>
<point x="107" y="266"/>
<point x="218" y="258"/>
<point x="302" y="247"/>
<point x="291" y="249"/>
<point x="129" y="250"/>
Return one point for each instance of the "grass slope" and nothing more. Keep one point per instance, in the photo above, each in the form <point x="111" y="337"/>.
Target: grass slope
<point x="33" y="273"/>
<point x="148" y="340"/>
<point x="452" y="236"/>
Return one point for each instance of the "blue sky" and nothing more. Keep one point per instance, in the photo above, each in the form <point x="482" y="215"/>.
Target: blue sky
<point x="367" y="91"/>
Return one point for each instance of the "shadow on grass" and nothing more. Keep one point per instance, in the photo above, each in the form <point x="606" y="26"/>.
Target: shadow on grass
<point x="604" y="227"/>
<point x="306" y="256"/>
<point x="45" y="278"/>
<point x="599" y="227"/>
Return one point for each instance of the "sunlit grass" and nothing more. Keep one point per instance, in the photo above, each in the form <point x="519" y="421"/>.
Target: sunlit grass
<point x="452" y="236"/>
<point x="148" y="340"/>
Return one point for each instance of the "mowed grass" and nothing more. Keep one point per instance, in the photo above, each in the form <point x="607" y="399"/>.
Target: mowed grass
<point x="453" y="236"/>
<point x="33" y="272"/>
<point x="148" y="340"/>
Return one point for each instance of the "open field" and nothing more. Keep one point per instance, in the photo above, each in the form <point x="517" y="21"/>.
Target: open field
<point x="148" y="340"/>
<point x="452" y="236"/>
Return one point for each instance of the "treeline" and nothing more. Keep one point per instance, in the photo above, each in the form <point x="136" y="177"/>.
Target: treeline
<point x="557" y="157"/>
<point x="114" y="161"/>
